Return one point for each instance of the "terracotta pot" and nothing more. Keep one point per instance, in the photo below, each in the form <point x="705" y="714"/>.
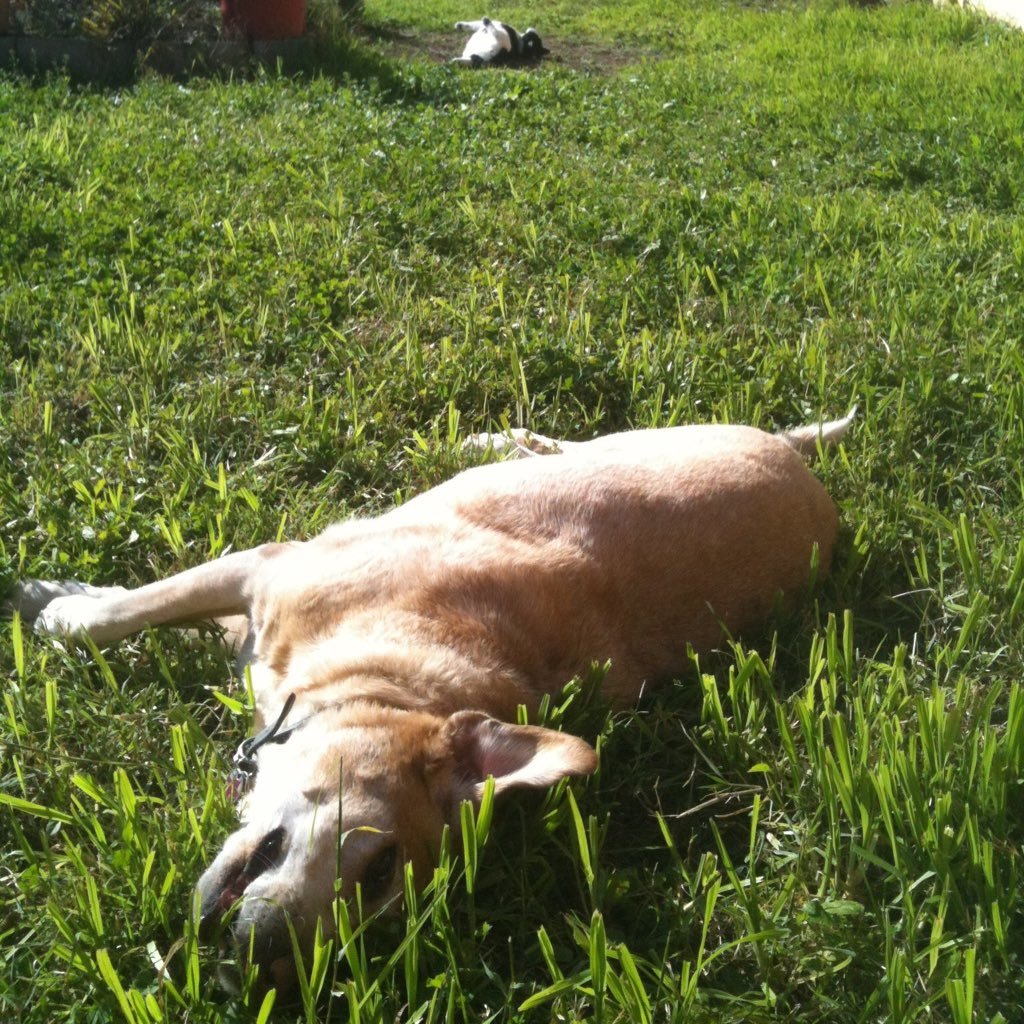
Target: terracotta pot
<point x="265" y="19"/>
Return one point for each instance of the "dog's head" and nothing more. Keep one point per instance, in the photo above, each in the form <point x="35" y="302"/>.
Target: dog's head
<point x="344" y="803"/>
<point x="532" y="45"/>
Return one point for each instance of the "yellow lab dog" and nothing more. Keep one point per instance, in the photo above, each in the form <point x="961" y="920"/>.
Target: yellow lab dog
<point x="397" y="649"/>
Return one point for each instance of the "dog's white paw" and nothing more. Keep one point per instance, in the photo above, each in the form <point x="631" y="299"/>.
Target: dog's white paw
<point x="29" y="597"/>
<point x="59" y="608"/>
<point x="73" y="615"/>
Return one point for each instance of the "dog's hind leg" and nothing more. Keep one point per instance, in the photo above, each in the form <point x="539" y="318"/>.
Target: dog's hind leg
<point x="517" y="443"/>
<point x="215" y="590"/>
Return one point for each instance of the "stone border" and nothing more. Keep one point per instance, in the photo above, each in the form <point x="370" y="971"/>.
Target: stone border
<point x="101" y="63"/>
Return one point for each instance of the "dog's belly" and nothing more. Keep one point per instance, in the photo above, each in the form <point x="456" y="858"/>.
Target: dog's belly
<point x="627" y="550"/>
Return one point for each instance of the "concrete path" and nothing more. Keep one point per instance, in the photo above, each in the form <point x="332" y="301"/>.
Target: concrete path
<point x="1010" y="11"/>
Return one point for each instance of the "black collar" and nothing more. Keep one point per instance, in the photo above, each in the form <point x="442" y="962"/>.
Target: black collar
<point x="244" y="761"/>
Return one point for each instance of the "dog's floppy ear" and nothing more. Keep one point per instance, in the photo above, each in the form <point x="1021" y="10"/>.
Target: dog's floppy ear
<point x="516" y="755"/>
<point x="532" y="44"/>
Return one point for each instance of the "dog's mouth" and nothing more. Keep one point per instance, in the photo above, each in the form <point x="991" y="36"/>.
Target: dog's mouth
<point x="248" y="931"/>
<point x="222" y="894"/>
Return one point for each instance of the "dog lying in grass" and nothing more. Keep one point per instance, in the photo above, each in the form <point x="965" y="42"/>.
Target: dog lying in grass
<point x="494" y="42"/>
<point x="391" y="654"/>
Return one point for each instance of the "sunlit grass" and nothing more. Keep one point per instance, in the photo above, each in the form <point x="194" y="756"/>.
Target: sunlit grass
<point x="238" y="310"/>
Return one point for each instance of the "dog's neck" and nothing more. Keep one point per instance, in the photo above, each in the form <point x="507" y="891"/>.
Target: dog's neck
<point x="417" y="690"/>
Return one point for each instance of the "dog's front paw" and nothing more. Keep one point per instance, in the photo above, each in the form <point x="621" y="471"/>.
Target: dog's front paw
<point x="29" y="597"/>
<point x="64" y="608"/>
<point x="72" y="615"/>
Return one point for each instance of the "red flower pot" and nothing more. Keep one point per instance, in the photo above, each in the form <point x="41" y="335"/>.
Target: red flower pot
<point x="265" y="19"/>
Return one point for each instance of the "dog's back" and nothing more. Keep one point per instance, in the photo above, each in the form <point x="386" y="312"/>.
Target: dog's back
<point x="625" y="548"/>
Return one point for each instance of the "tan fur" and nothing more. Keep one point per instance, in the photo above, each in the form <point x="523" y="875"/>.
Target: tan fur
<point x="410" y="640"/>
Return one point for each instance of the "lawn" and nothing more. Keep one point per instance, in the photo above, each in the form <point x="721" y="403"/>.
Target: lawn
<point x="240" y="309"/>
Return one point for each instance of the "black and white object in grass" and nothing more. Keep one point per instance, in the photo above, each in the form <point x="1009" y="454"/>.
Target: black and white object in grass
<point x="494" y="42"/>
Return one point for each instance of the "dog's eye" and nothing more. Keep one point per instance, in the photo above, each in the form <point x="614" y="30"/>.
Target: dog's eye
<point x="378" y="874"/>
<point x="266" y="855"/>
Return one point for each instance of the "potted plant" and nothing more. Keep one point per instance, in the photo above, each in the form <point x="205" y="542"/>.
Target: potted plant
<point x="265" y="19"/>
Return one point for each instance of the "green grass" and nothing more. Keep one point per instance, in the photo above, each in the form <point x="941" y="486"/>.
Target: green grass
<point x="234" y="310"/>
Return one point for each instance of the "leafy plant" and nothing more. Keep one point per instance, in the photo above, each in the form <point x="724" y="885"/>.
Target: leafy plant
<point x="48" y="17"/>
<point x="117" y="19"/>
<point x="150" y="19"/>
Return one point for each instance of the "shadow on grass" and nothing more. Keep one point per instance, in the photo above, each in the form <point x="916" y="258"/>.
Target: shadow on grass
<point x="349" y="59"/>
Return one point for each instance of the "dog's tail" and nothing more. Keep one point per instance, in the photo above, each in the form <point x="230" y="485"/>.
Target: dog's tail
<point x="805" y="439"/>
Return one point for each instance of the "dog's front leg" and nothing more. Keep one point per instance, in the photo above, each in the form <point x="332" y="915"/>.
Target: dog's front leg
<point x="105" y="614"/>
